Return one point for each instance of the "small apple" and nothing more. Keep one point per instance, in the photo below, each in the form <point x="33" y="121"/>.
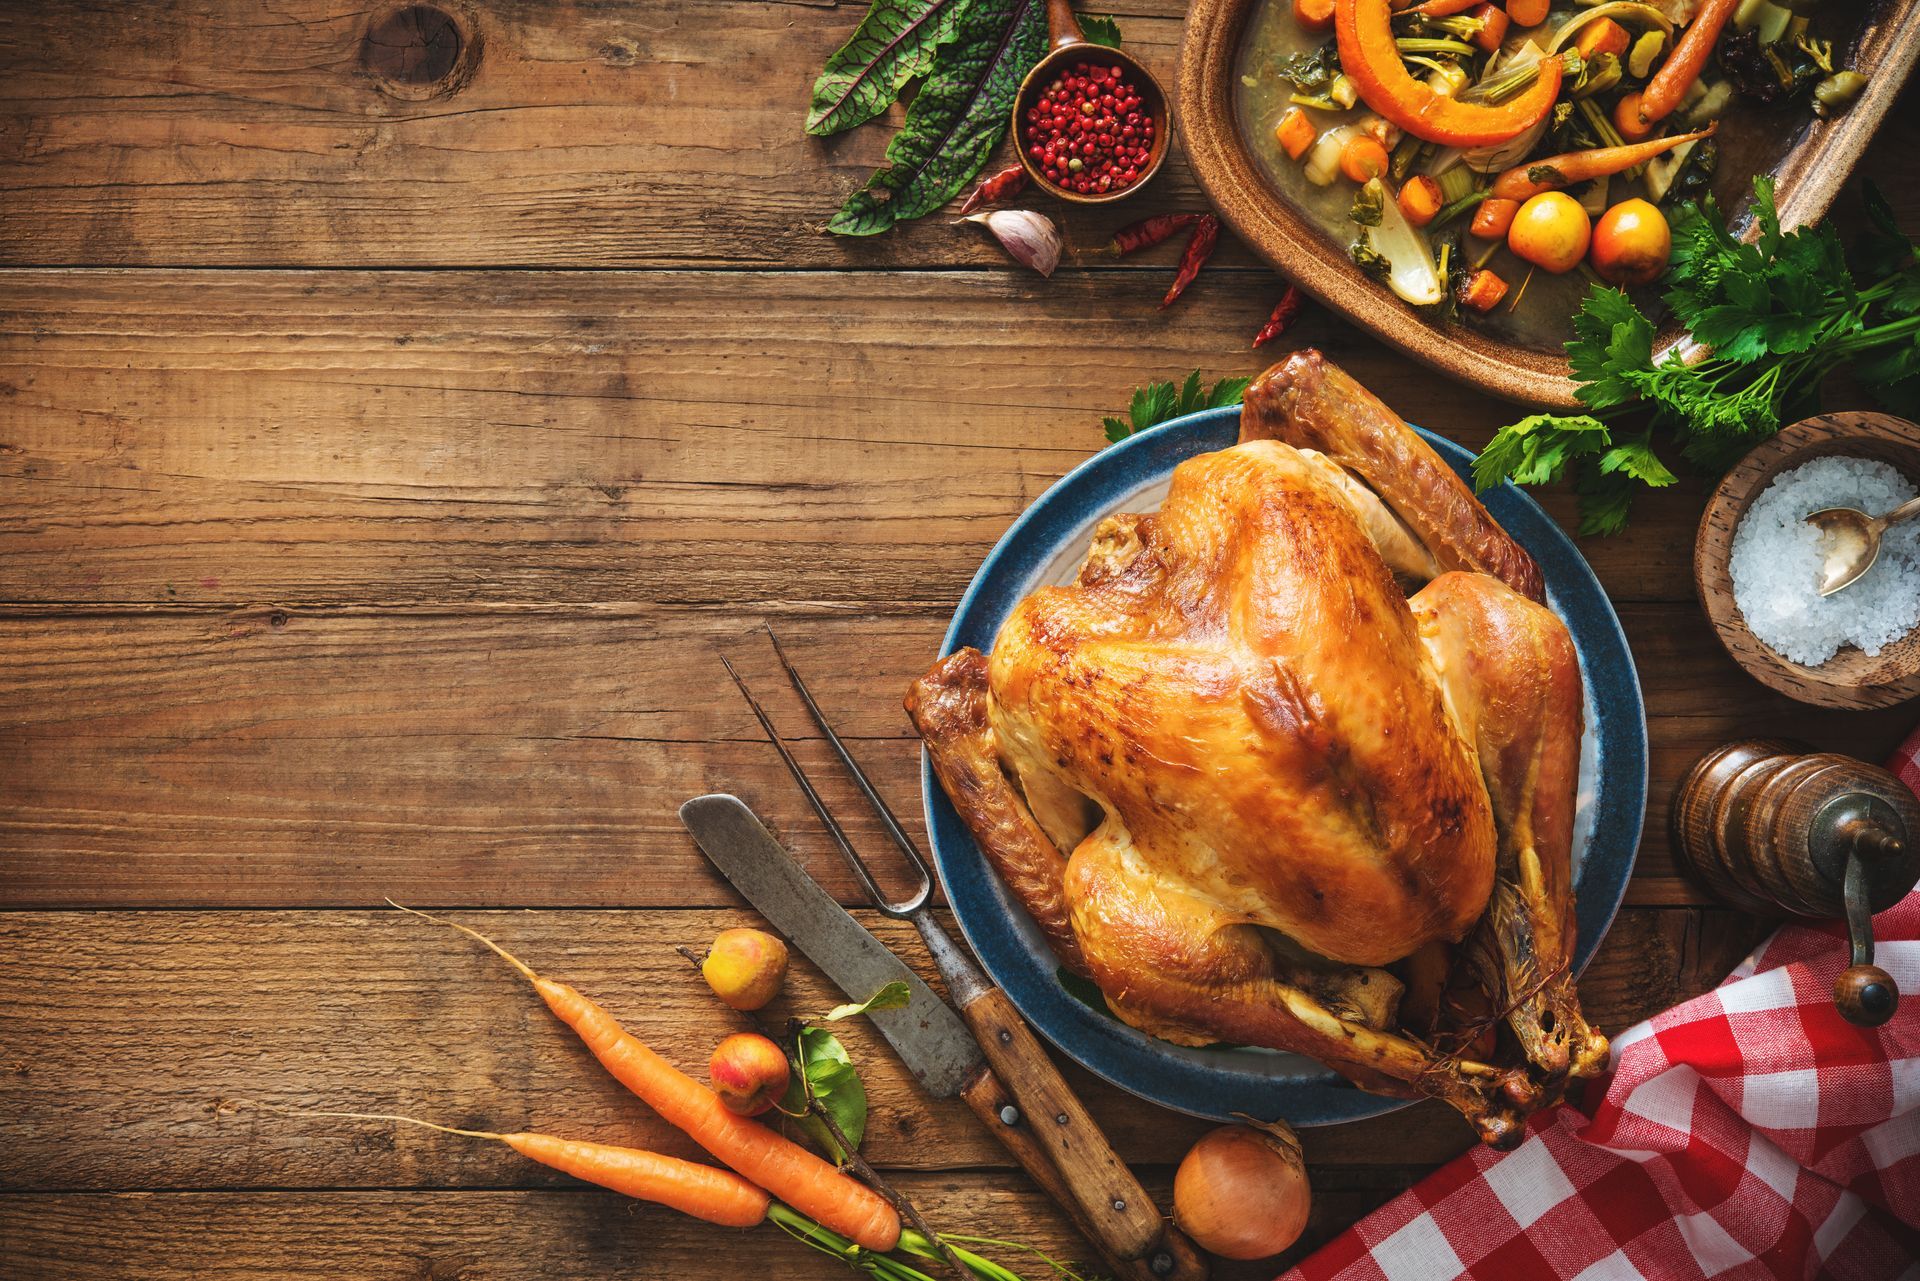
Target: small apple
<point x="748" y="1072"/>
<point x="745" y="968"/>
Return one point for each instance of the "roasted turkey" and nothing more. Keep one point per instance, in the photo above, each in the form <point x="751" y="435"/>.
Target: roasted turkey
<point x="1257" y="793"/>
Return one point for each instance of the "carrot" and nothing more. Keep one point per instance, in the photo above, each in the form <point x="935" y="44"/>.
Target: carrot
<point x="1535" y="176"/>
<point x="1295" y="133"/>
<point x="1493" y="26"/>
<point x="1626" y="118"/>
<point x="1314" y="15"/>
<point x="1684" y="65"/>
<point x="1363" y="158"/>
<point x="1419" y="199"/>
<point x="1444" y="8"/>
<point x="718" y="1196"/>
<point x="1603" y="35"/>
<point x="1493" y="217"/>
<point x="1483" y="291"/>
<point x="795" y="1175"/>
<point x="1528" y="13"/>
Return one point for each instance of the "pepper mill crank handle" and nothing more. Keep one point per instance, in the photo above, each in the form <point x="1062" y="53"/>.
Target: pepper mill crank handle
<point x="1864" y="993"/>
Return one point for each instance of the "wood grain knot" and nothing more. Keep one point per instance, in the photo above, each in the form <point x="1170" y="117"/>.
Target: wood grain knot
<point x="420" y="51"/>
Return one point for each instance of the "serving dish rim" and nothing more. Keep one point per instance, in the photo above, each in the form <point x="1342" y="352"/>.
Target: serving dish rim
<point x="1202" y="1082"/>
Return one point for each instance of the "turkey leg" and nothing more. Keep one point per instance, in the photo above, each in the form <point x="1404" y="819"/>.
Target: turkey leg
<point x="1513" y="685"/>
<point x="1178" y="968"/>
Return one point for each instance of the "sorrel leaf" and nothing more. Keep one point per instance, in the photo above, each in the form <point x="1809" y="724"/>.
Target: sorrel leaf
<point x="894" y="43"/>
<point x="957" y="118"/>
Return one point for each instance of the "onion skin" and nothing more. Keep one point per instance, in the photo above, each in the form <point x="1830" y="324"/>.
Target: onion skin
<point x="1242" y="1193"/>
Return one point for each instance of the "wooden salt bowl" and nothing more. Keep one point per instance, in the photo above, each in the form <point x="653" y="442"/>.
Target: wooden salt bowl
<point x="1851" y="678"/>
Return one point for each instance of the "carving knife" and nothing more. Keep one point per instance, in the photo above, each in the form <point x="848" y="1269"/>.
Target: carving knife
<point x="992" y="1060"/>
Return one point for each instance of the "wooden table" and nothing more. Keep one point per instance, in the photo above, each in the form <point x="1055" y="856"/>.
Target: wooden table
<point x="392" y="430"/>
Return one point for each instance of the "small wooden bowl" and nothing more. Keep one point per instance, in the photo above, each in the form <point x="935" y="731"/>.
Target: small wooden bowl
<point x="1067" y="46"/>
<point x="1851" y="678"/>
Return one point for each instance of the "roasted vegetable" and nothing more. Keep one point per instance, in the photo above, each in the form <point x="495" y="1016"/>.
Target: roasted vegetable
<point x="1368" y="54"/>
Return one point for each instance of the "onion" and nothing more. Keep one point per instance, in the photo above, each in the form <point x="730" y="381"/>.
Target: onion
<point x="1505" y="155"/>
<point x="1411" y="273"/>
<point x="1242" y="1193"/>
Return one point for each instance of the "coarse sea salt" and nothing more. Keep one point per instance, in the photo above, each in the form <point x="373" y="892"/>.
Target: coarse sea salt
<point x="1777" y="557"/>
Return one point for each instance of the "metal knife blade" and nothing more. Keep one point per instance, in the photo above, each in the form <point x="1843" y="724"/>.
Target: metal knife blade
<point x="928" y="1036"/>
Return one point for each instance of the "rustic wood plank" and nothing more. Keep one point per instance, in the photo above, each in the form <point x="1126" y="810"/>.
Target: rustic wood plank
<point x="576" y="1234"/>
<point x="642" y="134"/>
<point x="650" y="133"/>
<point x="134" y="1032"/>
<point x="330" y="437"/>
<point x="532" y="758"/>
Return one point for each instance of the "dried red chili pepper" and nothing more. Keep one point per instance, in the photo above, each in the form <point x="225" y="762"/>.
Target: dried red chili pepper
<point x="1206" y="232"/>
<point x="1146" y="233"/>
<point x="1285" y="312"/>
<point x="1008" y="182"/>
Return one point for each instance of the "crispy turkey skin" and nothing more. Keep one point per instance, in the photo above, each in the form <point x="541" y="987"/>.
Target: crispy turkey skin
<point x="1235" y="773"/>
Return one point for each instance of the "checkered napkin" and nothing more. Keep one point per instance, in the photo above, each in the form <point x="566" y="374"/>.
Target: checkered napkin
<point x="1748" y="1133"/>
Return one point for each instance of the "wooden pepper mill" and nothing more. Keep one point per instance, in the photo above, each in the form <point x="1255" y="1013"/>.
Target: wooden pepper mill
<point x="1770" y="826"/>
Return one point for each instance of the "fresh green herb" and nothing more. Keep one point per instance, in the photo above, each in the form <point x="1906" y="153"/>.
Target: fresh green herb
<point x="893" y="996"/>
<point x="1778" y="316"/>
<point x="1157" y="403"/>
<point x="893" y="44"/>
<point x="1104" y="32"/>
<point x="957" y="118"/>
<point x="1312" y="72"/>
<point x="1369" y="203"/>
<point x="826" y="1076"/>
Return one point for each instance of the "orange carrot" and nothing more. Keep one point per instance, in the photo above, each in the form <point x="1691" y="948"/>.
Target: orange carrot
<point x="1295" y="133"/>
<point x="1493" y="217"/>
<point x="1313" y="15"/>
<point x="1528" y="13"/>
<point x="1603" y="35"/>
<point x="1532" y="177"/>
<point x="1420" y="199"/>
<point x="1363" y="158"/>
<point x="784" y="1168"/>
<point x="1493" y="26"/>
<point x="1483" y="291"/>
<point x="1626" y="118"/>
<point x="1684" y="65"/>
<point x="1445" y="8"/>
<point x="718" y="1196"/>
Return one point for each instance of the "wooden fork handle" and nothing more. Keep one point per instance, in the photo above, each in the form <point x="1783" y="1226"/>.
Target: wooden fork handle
<point x="1060" y="1145"/>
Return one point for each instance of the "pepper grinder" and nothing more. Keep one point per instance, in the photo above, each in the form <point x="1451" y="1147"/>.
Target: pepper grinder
<point x="1768" y="825"/>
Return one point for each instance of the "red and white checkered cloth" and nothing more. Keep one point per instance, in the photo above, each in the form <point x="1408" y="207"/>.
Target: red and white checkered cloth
<point x="1748" y="1133"/>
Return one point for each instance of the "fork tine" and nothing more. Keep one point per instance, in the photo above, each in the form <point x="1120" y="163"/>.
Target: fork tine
<point x="839" y="834"/>
<point x="887" y="819"/>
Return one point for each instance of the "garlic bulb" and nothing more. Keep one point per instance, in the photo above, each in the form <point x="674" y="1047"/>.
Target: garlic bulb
<point x="1029" y="238"/>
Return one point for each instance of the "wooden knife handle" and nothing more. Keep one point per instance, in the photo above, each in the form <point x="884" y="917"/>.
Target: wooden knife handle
<point x="1003" y="1118"/>
<point x="1113" y="1209"/>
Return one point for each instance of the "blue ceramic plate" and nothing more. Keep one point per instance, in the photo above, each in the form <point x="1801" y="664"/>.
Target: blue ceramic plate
<point x="1046" y="545"/>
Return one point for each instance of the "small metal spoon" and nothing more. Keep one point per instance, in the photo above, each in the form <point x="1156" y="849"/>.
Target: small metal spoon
<point x="1850" y="540"/>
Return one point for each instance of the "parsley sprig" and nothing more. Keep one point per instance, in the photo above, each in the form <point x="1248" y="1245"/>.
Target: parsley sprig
<point x="1779" y="315"/>
<point x="1157" y="403"/>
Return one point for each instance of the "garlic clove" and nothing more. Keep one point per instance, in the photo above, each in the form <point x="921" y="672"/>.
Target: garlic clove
<point x="1029" y="238"/>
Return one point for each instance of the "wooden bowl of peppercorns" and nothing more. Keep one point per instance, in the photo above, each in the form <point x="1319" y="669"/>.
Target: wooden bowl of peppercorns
<point x="1090" y="123"/>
